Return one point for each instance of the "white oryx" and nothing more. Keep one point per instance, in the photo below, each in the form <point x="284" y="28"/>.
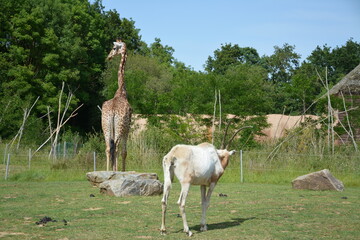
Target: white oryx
<point x="200" y="165"/>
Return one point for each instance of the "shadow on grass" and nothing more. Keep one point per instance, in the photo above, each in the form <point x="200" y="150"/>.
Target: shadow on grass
<point x="223" y="225"/>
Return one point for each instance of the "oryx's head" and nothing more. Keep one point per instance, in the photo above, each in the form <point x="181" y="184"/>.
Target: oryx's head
<point x="118" y="48"/>
<point x="223" y="153"/>
<point x="224" y="156"/>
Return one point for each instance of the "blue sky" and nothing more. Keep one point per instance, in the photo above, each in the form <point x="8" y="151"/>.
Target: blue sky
<point x="196" y="28"/>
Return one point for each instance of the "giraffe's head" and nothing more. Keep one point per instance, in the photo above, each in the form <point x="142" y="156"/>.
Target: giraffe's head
<point x="118" y="48"/>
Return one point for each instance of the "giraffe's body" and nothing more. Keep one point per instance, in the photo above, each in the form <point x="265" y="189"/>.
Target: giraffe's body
<point x="116" y="115"/>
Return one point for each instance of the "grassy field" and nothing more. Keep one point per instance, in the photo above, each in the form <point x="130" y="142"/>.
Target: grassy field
<point x="250" y="211"/>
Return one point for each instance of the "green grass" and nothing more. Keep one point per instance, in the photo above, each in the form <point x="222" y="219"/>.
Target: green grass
<point x="257" y="168"/>
<point x="250" y="211"/>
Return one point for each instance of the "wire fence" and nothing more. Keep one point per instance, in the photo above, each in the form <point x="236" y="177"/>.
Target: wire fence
<point x="242" y="167"/>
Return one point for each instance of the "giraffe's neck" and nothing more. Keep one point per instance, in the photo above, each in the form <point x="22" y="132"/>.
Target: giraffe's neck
<point x="121" y="80"/>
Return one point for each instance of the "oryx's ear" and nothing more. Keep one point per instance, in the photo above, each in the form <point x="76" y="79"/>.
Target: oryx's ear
<point x="232" y="152"/>
<point x="115" y="43"/>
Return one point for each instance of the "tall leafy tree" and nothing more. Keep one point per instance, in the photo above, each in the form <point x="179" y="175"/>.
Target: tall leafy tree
<point x="245" y="90"/>
<point x="230" y="55"/>
<point x="282" y="63"/>
<point x="163" y="53"/>
<point x="122" y="27"/>
<point x="338" y="61"/>
<point x="44" y="43"/>
<point x="347" y="57"/>
<point x="303" y="89"/>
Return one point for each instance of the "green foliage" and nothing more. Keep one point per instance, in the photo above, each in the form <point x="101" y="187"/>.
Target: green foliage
<point x="164" y="54"/>
<point x="244" y="90"/>
<point x="94" y="143"/>
<point x="282" y="64"/>
<point x="230" y="55"/>
<point x="45" y="43"/>
<point x="303" y="89"/>
<point x="338" y="61"/>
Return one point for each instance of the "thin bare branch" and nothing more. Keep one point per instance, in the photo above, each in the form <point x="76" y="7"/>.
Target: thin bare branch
<point x="21" y="129"/>
<point x="350" y="132"/>
<point x="73" y="114"/>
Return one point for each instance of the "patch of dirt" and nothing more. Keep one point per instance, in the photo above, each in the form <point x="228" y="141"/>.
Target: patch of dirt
<point x="4" y="234"/>
<point x="9" y="197"/>
<point x="28" y="220"/>
<point x="92" y="209"/>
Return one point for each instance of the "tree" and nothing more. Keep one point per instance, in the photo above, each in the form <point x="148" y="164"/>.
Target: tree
<point x="282" y="64"/>
<point x="45" y="43"/>
<point x="244" y="90"/>
<point x="164" y="54"/>
<point x="230" y="55"/>
<point x="322" y="58"/>
<point x="303" y="89"/>
<point x="124" y="28"/>
<point x="338" y="61"/>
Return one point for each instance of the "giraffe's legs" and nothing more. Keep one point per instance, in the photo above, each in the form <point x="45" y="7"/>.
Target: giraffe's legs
<point x="123" y="154"/>
<point x="115" y="157"/>
<point x="123" y="150"/>
<point x="107" y="157"/>
<point x="107" y="151"/>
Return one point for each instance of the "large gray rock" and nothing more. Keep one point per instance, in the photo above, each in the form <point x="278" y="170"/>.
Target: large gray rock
<point x="131" y="187"/>
<point x="321" y="180"/>
<point x="97" y="177"/>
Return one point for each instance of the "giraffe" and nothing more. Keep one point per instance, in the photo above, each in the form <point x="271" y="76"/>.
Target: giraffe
<point x="116" y="114"/>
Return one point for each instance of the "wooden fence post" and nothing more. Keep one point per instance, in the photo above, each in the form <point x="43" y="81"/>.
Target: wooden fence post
<point x="5" y="151"/>
<point x="29" y="158"/>
<point x="94" y="155"/>
<point x="7" y="167"/>
<point x="241" y="167"/>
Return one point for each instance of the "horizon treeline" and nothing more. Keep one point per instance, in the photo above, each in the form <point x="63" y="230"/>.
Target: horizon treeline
<point x="46" y="43"/>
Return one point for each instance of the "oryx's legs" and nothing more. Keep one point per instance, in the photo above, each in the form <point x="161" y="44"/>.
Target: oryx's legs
<point x="182" y="199"/>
